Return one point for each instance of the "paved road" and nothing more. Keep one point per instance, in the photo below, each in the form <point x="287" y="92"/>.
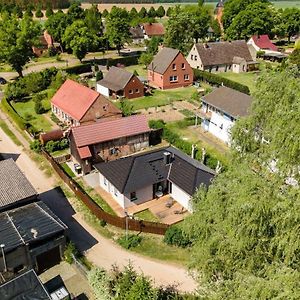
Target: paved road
<point x="99" y="250"/>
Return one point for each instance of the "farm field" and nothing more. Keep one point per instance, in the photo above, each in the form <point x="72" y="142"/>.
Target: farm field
<point x="138" y="6"/>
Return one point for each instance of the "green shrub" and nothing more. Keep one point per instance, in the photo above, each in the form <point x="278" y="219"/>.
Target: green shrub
<point x="174" y="236"/>
<point x="103" y="223"/>
<point x="70" y="249"/>
<point x="99" y="75"/>
<point x="156" y="124"/>
<point x="52" y="146"/>
<point x="130" y="242"/>
<point x="36" y="146"/>
<point x="216" y="79"/>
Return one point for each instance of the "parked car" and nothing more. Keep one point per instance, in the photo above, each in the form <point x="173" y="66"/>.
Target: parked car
<point x="2" y="80"/>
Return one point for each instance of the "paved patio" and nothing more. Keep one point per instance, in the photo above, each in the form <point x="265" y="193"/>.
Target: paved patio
<point x="74" y="281"/>
<point x="159" y="207"/>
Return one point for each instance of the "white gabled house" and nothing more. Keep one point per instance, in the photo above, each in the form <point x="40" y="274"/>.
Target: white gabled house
<point x="220" y="110"/>
<point x="142" y="177"/>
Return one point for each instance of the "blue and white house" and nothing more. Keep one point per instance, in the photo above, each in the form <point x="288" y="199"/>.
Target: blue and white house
<point x="221" y="109"/>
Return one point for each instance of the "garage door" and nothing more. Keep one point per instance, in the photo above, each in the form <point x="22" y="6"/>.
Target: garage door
<point x="48" y="259"/>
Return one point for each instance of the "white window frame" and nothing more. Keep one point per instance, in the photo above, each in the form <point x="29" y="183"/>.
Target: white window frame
<point x="186" y="77"/>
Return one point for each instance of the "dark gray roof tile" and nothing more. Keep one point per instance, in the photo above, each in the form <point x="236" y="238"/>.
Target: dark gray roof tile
<point x="163" y="59"/>
<point x="230" y="101"/>
<point x="14" y="186"/>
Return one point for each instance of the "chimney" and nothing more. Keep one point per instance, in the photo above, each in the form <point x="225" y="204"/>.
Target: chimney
<point x="167" y="158"/>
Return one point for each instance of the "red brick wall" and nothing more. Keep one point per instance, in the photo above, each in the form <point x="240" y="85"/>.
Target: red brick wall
<point x="133" y="85"/>
<point x="102" y="108"/>
<point x="163" y="81"/>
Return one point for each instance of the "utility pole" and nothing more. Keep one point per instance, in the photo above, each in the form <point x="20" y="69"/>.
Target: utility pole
<point x="3" y="256"/>
<point x="126" y="225"/>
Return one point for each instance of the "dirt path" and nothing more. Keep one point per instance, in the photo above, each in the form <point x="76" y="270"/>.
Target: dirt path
<point x="99" y="250"/>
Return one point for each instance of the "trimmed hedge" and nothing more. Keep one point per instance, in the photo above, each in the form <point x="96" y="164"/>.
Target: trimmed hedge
<point x="216" y="79"/>
<point x="87" y="65"/>
<point x="9" y="110"/>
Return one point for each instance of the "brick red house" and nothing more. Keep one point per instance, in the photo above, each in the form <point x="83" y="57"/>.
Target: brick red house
<point x="119" y="83"/>
<point x="169" y="69"/>
<point x="75" y="104"/>
<point x="108" y="140"/>
<point x="153" y="29"/>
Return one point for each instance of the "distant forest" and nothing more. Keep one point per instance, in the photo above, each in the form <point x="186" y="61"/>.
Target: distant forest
<point x="36" y="3"/>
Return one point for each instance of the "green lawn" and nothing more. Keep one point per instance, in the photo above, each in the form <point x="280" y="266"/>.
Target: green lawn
<point x="27" y="112"/>
<point x="95" y="196"/>
<point x="12" y="136"/>
<point x="161" y="98"/>
<point x="146" y="215"/>
<point x="139" y="68"/>
<point x="153" y="246"/>
<point x="68" y="170"/>
<point x="247" y="78"/>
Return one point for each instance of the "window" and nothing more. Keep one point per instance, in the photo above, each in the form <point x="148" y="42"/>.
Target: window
<point x="173" y="78"/>
<point x="174" y="66"/>
<point x="133" y="196"/>
<point x="186" y="77"/>
<point x="183" y="66"/>
<point x="192" y="56"/>
<point x="105" y="181"/>
<point x="195" y="57"/>
<point x="130" y="91"/>
<point x="115" y="191"/>
<point x="137" y="91"/>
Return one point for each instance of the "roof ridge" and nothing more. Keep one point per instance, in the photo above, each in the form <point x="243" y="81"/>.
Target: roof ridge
<point x="14" y="226"/>
<point x="62" y="224"/>
<point x="128" y="174"/>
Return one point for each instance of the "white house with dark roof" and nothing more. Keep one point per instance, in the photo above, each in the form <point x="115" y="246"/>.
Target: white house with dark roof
<point x="142" y="177"/>
<point x="221" y="57"/>
<point x="221" y="109"/>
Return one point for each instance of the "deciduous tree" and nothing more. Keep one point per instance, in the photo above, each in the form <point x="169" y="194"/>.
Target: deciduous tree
<point x="257" y="18"/>
<point x="16" y="40"/>
<point x="117" y="27"/>
<point x="79" y="39"/>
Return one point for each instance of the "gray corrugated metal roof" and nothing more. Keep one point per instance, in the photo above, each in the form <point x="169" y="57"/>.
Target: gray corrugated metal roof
<point x="163" y="59"/>
<point x="26" y="286"/>
<point x="14" y="186"/>
<point x="28" y="223"/>
<point x="137" y="171"/>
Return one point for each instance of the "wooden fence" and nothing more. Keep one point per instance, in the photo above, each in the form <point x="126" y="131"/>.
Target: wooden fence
<point x="136" y="225"/>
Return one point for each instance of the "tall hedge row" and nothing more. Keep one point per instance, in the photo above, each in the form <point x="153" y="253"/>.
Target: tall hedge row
<point x="87" y="65"/>
<point x="216" y="79"/>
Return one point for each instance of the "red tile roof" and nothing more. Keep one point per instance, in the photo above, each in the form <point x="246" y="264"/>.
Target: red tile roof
<point x="84" y="152"/>
<point x="109" y="130"/>
<point x="152" y="29"/>
<point x="74" y="99"/>
<point x="263" y="42"/>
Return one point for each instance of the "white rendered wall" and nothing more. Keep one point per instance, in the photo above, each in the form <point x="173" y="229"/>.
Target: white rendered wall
<point x="102" y="90"/>
<point x="220" y="127"/>
<point x="181" y="197"/>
